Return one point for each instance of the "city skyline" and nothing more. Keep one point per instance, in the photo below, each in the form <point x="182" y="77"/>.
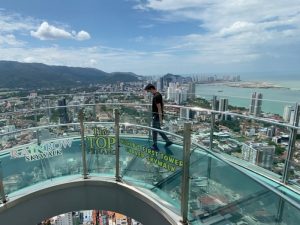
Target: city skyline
<point x="154" y="37"/>
<point x="33" y="134"/>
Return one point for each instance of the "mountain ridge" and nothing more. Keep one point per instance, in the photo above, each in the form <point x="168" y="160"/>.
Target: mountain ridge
<point x="15" y="74"/>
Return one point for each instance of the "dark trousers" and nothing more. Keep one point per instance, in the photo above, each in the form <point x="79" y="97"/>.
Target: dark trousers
<point x="156" y="124"/>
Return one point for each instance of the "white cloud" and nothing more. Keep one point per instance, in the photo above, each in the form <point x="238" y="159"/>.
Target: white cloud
<point x="50" y="32"/>
<point x="236" y="28"/>
<point x="11" y="22"/>
<point x="139" y="39"/>
<point x="166" y="5"/>
<point x="147" y="26"/>
<point x="232" y="33"/>
<point x="231" y="30"/>
<point x="10" y="39"/>
<point x="82" y="35"/>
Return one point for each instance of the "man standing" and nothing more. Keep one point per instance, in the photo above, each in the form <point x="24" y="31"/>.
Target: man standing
<point x="157" y="117"/>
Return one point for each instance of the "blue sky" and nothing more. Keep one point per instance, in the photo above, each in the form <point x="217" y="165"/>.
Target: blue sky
<point x="153" y="37"/>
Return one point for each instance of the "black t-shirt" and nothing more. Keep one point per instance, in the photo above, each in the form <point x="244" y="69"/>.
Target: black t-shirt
<point x="157" y="98"/>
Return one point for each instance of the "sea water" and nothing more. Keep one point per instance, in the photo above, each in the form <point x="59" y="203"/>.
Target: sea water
<point x="274" y="99"/>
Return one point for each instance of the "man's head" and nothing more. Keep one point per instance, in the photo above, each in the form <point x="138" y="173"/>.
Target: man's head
<point x="150" y="88"/>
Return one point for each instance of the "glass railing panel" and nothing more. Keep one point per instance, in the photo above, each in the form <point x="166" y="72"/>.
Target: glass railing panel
<point x="288" y="189"/>
<point x="293" y="172"/>
<point x="260" y="141"/>
<point x="220" y="193"/>
<point x="58" y="131"/>
<point x="101" y="112"/>
<point x="100" y="142"/>
<point x="159" y="171"/>
<point x="13" y="137"/>
<point x="289" y="214"/>
<point x="33" y="163"/>
<point x="136" y="114"/>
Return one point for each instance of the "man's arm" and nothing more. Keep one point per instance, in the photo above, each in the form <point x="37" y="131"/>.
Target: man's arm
<point x="159" y="113"/>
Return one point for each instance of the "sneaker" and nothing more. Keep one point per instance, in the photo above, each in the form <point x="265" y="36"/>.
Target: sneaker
<point x="154" y="148"/>
<point x="169" y="143"/>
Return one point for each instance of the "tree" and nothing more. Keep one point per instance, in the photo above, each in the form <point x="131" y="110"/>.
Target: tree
<point x="201" y="102"/>
<point x="231" y="124"/>
<point x="278" y="149"/>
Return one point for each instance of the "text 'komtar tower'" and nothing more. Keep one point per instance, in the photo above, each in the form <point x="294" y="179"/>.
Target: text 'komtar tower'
<point x="256" y="102"/>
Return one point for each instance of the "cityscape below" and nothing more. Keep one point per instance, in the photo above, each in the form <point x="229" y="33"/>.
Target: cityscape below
<point x="90" y="217"/>
<point x="248" y="135"/>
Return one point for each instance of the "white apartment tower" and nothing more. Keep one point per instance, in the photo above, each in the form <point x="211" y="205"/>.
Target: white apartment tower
<point x="192" y="91"/>
<point x="256" y="102"/>
<point x="287" y="113"/>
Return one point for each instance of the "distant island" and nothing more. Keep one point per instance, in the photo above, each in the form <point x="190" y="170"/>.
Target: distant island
<point x="253" y="84"/>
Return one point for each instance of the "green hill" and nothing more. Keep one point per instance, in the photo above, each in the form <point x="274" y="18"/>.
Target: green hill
<point x="38" y="75"/>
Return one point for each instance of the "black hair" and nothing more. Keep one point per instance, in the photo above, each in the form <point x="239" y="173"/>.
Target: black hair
<point x="149" y="87"/>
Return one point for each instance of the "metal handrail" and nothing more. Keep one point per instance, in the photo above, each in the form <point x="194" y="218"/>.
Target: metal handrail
<point x="197" y="109"/>
<point x="123" y="92"/>
<point x="38" y="128"/>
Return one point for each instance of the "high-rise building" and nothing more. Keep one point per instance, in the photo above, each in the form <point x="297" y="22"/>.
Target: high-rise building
<point x="271" y="131"/>
<point x="185" y="113"/>
<point x="171" y="91"/>
<point x="63" y="219"/>
<point x="256" y="102"/>
<point x="122" y="86"/>
<point x="215" y="103"/>
<point x="252" y="104"/>
<point x="63" y="114"/>
<point x="249" y="153"/>
<point x="265" y="156"/>
<point x="260" y="155"/>
<point x="223" y="107"/>
<point x="158" y="86"/>
<point x="177" y="94"/>
<point x="292" y="117"/>
<point x="192" y="91"/>
<point x="48" y="106"/>
<point x="293" y="120"/>
<point x="180" y="95"/>
<point x="287" y="113"/>
<point x="161" y="81"/>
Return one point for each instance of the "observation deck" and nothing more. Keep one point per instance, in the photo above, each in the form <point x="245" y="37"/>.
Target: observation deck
<point x="91" y="164"/>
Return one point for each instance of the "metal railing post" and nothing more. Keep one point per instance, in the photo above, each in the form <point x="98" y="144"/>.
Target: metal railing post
<point x="94" y="107"/>
<point x="185" y="185"/>
<point x="117" y="133"/>
<point x="150" y="118"/>
<point x="38" y="137"/>
<point x="212" y="127"/>
<point x="280" y="210"/>
<point x="291" y="147"/>
<point x="212" y="122"/>
<point x="35" y="112"/>
<point x="2" y="193"/>
<point x="83" y="149"/>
